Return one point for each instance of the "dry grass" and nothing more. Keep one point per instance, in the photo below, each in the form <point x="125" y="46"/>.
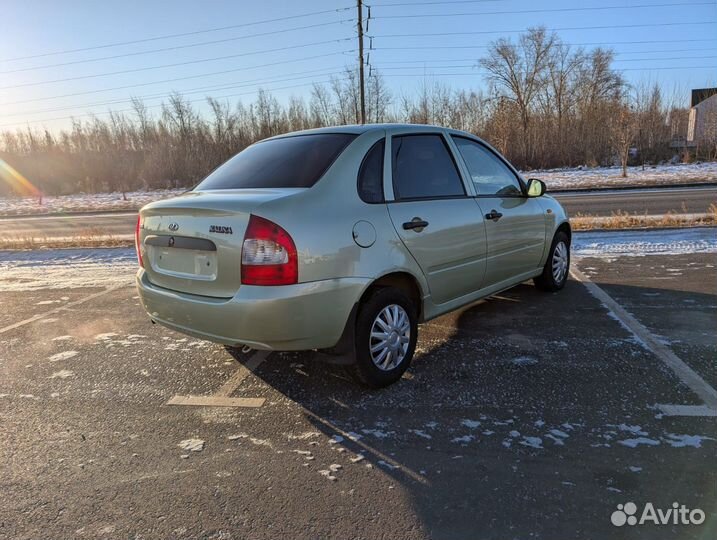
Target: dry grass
<point x="79" y="241"/>
<point x="625" y="220"/>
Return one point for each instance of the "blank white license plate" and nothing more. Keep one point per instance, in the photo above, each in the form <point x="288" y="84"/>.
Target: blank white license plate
<point x="184" y="263"/>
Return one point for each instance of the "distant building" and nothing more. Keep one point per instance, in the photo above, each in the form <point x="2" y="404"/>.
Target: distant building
<point x="702" y="123"/>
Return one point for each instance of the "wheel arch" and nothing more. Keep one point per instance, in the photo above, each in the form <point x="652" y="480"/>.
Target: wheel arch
<point x="400" y="279"/>
<point x="565" y="227"/>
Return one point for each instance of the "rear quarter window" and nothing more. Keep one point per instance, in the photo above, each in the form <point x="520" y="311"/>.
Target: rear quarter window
<point x="298" y="161"/>
<point x="370" y="177"/>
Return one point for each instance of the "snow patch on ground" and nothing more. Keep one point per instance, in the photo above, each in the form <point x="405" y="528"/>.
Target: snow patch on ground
<point x="533" y="442"/>
<point x="378" y="433"/>
<point x="582" y="177"/>
<point x="62" y="374"/>
<point x="634" y="443"/>
<point x="192" y="445"/>
<point x="524" y="361"/>
<point x="65" y="355"/>
<point x="66" y="268"/>
<point x="83" y="202"/>
<point x="607" y="244"/>
<point x="681" y="441"/>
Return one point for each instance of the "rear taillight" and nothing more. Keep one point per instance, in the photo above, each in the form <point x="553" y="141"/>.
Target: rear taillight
<point x="268" y="255"/>
<point x="136" y="241"/>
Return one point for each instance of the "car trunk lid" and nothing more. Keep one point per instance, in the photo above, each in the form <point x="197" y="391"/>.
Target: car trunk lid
<point x="192" y="243"/>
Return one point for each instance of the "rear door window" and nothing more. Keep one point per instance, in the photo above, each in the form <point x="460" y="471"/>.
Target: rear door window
<point x="423" y="168"/>
<point x="370" y="177"/>
<point x="289" y="162"/>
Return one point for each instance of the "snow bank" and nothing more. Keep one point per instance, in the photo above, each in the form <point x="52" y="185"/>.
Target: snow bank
<point x="66" y="268"/>
<point x="83" y="202"/>
<point x="644" y="242"/>
<point x="584" y="177"/>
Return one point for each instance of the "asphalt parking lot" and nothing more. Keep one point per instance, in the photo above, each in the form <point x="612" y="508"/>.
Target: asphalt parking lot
<point x="528" y="415"/>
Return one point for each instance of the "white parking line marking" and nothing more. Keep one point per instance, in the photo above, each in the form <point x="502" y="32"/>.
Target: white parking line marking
<point x="687" y="410"/>
<point x="349" y="438"/>
<point x="61" y="308"/>
<point x="215" y="401"/>
<point x="221" y="398"/>
<point x="684" y="372"/>
<point x="242" y="373"/>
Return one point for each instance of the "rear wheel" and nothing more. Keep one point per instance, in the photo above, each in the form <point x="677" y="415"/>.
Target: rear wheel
<point x="557" y="267"/>
<point x="386" y="331"/>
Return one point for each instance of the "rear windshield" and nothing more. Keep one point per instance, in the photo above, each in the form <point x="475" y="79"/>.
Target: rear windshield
<point x="289" y="162"/>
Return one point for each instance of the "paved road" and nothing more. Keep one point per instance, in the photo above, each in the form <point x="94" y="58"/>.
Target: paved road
<point x="528" y="415"/>
<point x="116" y="223"/>
<point x="603" y="203"/>
<point x="650" y="201"/>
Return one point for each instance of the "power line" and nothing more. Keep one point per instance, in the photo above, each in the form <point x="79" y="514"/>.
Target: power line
<point x="421" y="47"/>
<point x="617" y="53"/>
<point x="437" y="61"/>
<point x="664" y="59"/>
<point x="413" y="4"/>
<point x="548" y="10"/>
<point x="433" y="74"/>
<point x="183" y="34"/>
<point x="478" y="69"/>
<point x="177" y="47"/>
<point x="175" y="79"/>
<point x="224" y="86"/>
<point x="549" y="29"/>
<point x="121" y="111"/>
<point x="39" y="83"/>
<point x="310" y="73"/>
<point x="476" y="73"/>
<point x="231" y="85"/>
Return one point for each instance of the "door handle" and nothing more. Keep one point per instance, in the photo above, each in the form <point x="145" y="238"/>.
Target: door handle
<point x="416" y="223"/>
<point x="495" y="216"/>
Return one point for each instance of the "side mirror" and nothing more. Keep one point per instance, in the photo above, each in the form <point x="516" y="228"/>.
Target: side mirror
<point x="536" y="188"/>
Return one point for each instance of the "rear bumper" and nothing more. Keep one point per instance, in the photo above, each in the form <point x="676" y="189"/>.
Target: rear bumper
<point x="286" y="318"/>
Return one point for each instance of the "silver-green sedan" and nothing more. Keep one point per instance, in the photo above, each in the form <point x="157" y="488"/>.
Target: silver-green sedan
<point x="345" y="239"/>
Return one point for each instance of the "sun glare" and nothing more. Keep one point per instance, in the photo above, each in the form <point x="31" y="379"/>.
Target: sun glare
<point x="17" y="181"/>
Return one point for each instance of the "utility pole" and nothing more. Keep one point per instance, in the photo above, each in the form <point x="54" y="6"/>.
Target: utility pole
<point x="359" y="5"/>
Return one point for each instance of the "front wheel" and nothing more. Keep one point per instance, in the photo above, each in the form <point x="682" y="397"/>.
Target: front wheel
<point x="557" y="267"/>
<point x="386" y="331"/>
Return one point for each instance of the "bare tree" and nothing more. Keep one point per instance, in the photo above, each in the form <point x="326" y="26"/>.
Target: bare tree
<point x="547" y="105"/>
<point x="516" y="72"/>
<point x="622" y="133"/>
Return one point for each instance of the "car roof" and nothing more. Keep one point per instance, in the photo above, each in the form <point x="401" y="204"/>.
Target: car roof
<point x="358" y="129"/>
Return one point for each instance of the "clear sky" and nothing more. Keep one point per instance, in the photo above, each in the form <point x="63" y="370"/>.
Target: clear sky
<point x="286" y="56"/>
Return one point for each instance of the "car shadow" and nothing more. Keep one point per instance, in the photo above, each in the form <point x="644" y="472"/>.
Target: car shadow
<point x="520" y="362"/>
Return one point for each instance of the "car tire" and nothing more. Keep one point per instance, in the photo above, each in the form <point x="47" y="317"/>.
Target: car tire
<point x="557" y="266"/>
<point x="386" y="311"/>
